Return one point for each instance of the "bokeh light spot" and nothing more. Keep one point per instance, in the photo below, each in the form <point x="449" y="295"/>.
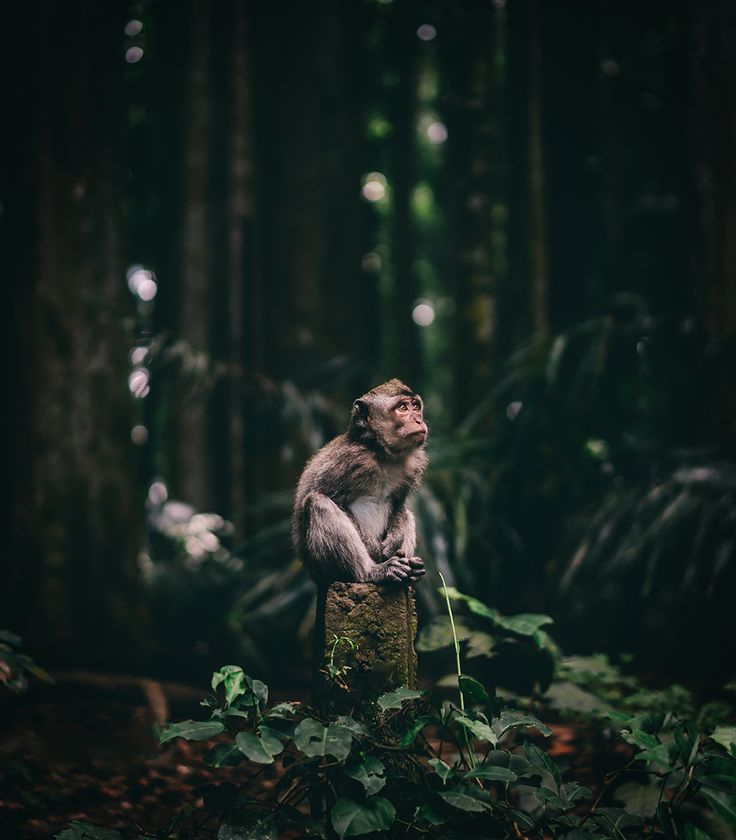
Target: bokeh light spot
<point x="139" y="435"/>
<point x="426" y="32"/>
<point x="437" y="133"/>
<point x="133" y="55"/>
<point x="133" y="27"/>
<point x="423" y="314"/>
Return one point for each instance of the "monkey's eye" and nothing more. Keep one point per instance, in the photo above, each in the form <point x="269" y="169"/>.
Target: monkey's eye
<point x="416" y="405"/>
<point x="403" y="407"/>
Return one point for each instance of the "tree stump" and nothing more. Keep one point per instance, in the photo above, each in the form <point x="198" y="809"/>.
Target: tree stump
<point x="382" y="622"/>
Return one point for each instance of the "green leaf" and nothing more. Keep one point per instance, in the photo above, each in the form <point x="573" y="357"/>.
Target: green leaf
<point x="261" y="749"/>
<point x="429" y="812"/>
<point x="467" y="798"/>
<point x="263" y="829"/>
<point x="473" y="689"/>
<point x="525" y="624"/>
<point x="394" y="699"/>
<point x="639" y="738"/>
<point x="224" y="755"/>
<point x="283" y="710"/>
<point x="235" y="681"/>
<point x="416" y="727"/>
<point x="719" y="770"/>
<point x="438" y="634"/>
<point x="692" y="832"/>
<point x="358" y="730"/>
<point x="350" y="819"/>
<point x="444" y="771"/>
<point x="539" y="759"/>
<point x="260" y="689"/>
<point x="478" y="728"/>
<point x="79" y="830"/>
<point x="474" y="605"/>
<point x="492" y="774"/>
<point x="511" y="718"/>
<point x="369" y="772"/>
<point x="192" y="730"/>
<point x="314" y="739"/>
<point x="722" y="803"/>
<point x="726" y="737"/>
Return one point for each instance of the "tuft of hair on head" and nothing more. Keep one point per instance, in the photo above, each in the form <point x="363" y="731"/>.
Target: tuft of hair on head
<point x="392" y="388"/>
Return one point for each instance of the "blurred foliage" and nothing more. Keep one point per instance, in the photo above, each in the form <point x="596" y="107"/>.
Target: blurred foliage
<point x="15" y="665"/>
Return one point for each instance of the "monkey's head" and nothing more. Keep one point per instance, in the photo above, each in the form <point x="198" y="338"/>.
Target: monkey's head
<point x="389" y="418"/>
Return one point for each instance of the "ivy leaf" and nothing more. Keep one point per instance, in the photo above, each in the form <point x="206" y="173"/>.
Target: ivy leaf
<point x="394" y="699"/>
<point x="722" y="803"/>
<point x="261" y="749"/>
<point x="235" y="681"/>
<point x="357" y="729"/>
<point x="492" y="774"/>
<point x="510" y="719"/>
<point x="438" y="634"/>
<point x="283" y="710"/>
<point x="369" y="772"/>
<point x="416" y="727"/>
<point x="429" y="812"/>
<point x="79" y="830"/>
<point x="350" y="819"/>
<point x="473" y="689"/>
<point x="478" y="728"/>
<point x="474" y="605"/>
<point x="524" y="624"/>
<point x="314" y="739"/>
<point x="224" y="755"/>
<point x="192" y="730"/>
<point x="444" y="771"/>
<point x="726" y="737"/>
<point x="539" y="759"/>
<point x="467" y="798"/>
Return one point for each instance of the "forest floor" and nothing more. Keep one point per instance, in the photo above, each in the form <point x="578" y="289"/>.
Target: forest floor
<point x="98" y="760"/>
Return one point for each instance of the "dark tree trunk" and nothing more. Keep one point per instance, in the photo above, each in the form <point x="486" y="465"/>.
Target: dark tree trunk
<point x="713" y="109"/>
<point x="475" y="194"/>
<point x="72" y="585"/>
<point x="194" y="480"/>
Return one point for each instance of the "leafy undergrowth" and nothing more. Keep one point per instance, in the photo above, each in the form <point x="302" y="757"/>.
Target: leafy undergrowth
<point x="101" y="764"/>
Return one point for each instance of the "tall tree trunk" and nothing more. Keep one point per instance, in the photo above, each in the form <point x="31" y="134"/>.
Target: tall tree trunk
<point x="538" y="214"/>
<point x="713" y="108"/>
<point x="194" y="483"/>
<point x="72" y="584"/>
<point x="241" y="285"/>
<point x="473" y="122"/>
<point x="403" y="117"/>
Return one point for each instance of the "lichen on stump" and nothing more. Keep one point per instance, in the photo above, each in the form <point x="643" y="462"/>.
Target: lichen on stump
<point x="382" y="622"/>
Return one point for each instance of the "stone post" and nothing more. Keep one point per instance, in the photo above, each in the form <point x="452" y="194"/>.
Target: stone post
<point x="382" y="622"/>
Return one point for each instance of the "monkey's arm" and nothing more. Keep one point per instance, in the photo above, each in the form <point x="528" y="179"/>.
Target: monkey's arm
<point x="333" y="549"/>
<point x="401" y="540"/>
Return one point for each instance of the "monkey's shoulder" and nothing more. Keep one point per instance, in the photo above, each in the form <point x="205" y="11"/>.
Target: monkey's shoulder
<point x="339" y="462"/>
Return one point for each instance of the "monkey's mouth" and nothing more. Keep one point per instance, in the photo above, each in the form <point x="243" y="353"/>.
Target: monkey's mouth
<point x="422" y="432"/>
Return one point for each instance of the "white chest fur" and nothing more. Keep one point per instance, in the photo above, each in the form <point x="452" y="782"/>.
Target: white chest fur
<point x="371" y="513"/>
<point x="373" y="510"/>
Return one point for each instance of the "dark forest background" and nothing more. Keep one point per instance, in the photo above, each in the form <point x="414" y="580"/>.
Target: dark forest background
<point x="222" y="222"/>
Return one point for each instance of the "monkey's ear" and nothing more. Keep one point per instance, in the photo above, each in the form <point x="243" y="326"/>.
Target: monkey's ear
<point x="359" y="414"/>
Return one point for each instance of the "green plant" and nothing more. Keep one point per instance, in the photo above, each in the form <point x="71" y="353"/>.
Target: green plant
<point x="15" y="666"/>
<point x="416" y="766"/>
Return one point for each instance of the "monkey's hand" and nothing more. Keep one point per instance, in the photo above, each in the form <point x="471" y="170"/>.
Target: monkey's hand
<point x="417" y="568"/>
<point x="391" y="546"/>
<point x="396" y="569"/>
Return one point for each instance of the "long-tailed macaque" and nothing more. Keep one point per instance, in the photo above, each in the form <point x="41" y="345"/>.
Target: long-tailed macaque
<point x="350" y="520"/>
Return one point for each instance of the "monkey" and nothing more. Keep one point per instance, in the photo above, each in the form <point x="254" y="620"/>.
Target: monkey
<point x="350" y="521"/>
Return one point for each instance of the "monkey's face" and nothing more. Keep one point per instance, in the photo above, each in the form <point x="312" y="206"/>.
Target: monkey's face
<point x="400" y="422"/>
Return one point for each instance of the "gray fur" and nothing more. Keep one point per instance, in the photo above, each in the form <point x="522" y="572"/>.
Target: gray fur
<point x="350" y="519"/>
